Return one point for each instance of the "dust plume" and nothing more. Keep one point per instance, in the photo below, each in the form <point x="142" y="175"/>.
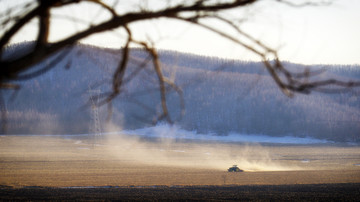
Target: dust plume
<point x="167" y="149"/>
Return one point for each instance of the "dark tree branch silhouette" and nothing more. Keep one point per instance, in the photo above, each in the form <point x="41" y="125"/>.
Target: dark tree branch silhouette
<point x="192" y="12"/>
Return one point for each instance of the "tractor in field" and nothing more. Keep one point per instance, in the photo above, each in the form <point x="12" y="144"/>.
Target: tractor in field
<point x="234" y="168"/>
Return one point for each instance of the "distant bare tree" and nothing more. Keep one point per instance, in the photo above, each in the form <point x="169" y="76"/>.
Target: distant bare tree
<point x="188" y="11"/>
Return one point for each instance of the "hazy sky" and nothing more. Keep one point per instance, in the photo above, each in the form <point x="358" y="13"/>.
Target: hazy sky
<point x="325" y="34"/>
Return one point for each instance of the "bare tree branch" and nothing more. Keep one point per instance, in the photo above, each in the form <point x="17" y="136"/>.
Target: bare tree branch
<point x="306" y="3"/>
<point x="193" y="12"/>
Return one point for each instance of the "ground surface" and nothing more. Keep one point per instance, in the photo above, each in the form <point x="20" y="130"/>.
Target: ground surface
<point x="46" y="166"/>
<point x="318" y="192"/>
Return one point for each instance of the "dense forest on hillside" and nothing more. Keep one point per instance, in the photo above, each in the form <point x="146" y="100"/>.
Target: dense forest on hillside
<point x="221" y="96"/>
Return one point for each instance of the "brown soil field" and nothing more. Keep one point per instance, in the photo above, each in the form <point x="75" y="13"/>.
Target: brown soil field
<point x="49" y="162"/>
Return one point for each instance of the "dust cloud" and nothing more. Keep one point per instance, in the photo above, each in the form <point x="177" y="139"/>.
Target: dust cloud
<point x="167" y="150"/>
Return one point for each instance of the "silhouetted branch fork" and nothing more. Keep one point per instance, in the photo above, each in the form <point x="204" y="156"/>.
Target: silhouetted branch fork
<point x="12" y="9"/>
<point x="16" y="27"/>
<point x="104" y="5"/>
<point x="272" y="70"/>
<point x="157" y="67"/>
<point x="116" y="21"/>
<point x="12" y="68"/>
<point x="307" y="73"/>
<point x="307" y="87"/>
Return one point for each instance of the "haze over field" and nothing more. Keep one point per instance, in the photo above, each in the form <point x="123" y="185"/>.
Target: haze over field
<point x="120" y="160"/>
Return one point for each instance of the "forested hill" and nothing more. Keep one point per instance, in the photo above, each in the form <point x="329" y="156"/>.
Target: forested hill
<point x="221" y="96"/>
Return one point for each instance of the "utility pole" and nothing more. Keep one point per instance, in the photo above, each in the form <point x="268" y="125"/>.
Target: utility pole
<point x="95" y="126"/>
